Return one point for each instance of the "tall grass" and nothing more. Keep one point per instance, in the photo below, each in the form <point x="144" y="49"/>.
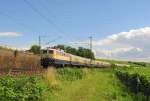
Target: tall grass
<point x="71" y="74"/>
<point x="50" y="76"/>
<point x="64" y="84"/>
<point x="87" y="84"/>
<point x="9" y="60"/>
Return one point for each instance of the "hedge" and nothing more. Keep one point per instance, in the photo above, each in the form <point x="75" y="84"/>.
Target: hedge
<point x="135" y="82"/>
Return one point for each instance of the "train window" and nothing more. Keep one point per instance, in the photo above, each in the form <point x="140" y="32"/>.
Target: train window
<point x="44" y="51"/>
<point x="51" y="51"/>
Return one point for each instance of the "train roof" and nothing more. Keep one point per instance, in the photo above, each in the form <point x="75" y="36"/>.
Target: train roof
<point x="62" y="51"/>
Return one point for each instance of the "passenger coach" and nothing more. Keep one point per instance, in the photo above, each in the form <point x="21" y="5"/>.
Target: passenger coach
<point x="55" y="57"/>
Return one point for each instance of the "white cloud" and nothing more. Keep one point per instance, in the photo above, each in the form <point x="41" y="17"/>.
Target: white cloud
<point x="134" y="44"/>
<point x="132" y="36"/>
<point x="10" y="34"/>
<point x="117" y="51"/>
<point x="131" y="45"/>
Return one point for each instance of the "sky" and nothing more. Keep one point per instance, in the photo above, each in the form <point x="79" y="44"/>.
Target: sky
<point x="120" y="28"/>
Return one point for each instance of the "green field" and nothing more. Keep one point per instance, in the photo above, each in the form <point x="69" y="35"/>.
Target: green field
<point x="119" y="83"/>
<point x="113" y="61"/>
<point x="130" y="63"/>
<point x="67" y="84"/>
<point x="97" y="85"/>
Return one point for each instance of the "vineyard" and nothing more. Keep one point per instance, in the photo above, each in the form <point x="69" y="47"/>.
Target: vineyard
<point x="137" y="80"/>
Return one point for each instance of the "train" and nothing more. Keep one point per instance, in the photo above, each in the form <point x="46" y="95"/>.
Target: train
<point x="59" y="58"/>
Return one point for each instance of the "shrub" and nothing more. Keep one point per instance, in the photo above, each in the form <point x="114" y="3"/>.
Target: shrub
<point x="136" y="83"/>
<point x="70" y="74"/>
<point x="21" y="89"/>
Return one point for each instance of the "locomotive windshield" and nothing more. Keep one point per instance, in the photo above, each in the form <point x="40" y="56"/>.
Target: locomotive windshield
<point x="51" y="51"/>
<point x="44" y="51"/>
<point x="47" y="51"/>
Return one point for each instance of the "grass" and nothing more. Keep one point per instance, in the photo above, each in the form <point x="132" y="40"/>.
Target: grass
<point x="70" y="84"/>
<point x="130" y="63"/>
<point x="113" y="61"/>
<point x="97" y="85"/>
<point x="9" y="59"/>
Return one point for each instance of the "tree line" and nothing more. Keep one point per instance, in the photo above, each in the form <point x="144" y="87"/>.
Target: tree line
<point x="83" y="52"/>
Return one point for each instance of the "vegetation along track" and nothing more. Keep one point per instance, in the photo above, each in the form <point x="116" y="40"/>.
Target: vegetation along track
<point x="137" y="80"/>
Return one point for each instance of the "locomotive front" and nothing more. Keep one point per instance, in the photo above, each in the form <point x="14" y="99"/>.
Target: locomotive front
<point x="47" y="57"/>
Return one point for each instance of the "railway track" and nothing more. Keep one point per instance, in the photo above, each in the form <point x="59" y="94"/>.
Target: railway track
<point x="20" y="71"/>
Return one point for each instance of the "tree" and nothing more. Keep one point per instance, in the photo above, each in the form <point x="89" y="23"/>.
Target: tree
<point x="71" y="50"/>
<point x="35" y="49"/>
<point x="62" y="47"/>
<point x="15" y="53"/>
<point x="83" y="52"/>
<point x="87" y="53"/>
<point x="15" y="57"/>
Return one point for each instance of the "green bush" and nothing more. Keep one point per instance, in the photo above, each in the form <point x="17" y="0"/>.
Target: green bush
<point x="136" y="83"/>
<point x="70" y="74"/>
<point x="21" y="89"/>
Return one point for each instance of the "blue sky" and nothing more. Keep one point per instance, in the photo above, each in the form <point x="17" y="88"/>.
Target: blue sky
<point x="74" y="20"/>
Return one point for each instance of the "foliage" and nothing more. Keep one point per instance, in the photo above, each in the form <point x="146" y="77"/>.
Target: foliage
<point x="60" y="47"/>
<point x="136" y="80"/>
<point x="96" y="85"/>
<point x="70" y="84"/>
<point x="35" y="49"/>
<point x="21" y="89"/>
<point x="83" y="52"/>
<point x="71" y="50"/>
<point x="70" y="74"/>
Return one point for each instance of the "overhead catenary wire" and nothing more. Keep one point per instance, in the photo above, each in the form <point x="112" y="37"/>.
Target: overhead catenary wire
<point x="47" y="19"/>
<point x="48" y="36"/>
<point x="53" y="40"/>
<point x="43" y="5"/>
<point x="12" y="18"/>
<point x="15" y="20"/>
<point x="43" y="16"/>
